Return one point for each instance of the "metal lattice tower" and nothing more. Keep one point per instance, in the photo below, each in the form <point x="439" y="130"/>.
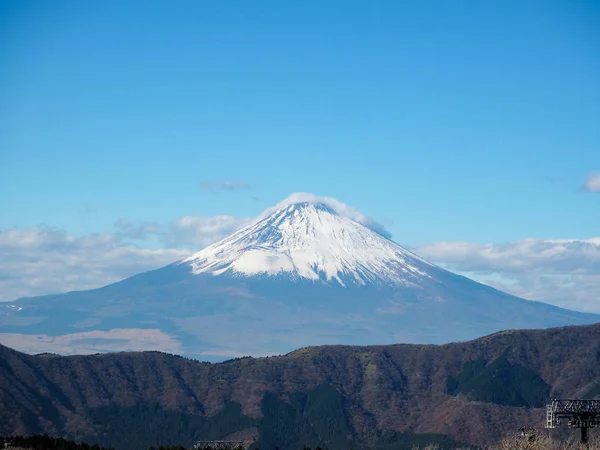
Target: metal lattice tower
<point x="219" y="445"/>
<point x="583" y="414"/>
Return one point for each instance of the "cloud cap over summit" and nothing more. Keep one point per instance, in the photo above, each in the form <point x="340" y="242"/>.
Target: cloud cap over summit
<point x="339" y="207"/>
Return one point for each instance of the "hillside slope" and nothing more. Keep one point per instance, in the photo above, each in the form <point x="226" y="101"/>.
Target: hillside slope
<point x="335" y="396"/>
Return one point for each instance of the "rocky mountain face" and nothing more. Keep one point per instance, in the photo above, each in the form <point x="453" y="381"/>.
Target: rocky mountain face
<point x="339" y="397"/>
<point x="303" y="275"/>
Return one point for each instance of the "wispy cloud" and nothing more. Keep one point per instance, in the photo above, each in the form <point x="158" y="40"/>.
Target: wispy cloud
<point x="136" y="230"/>
<point x="339" y="207"/>
<point x="215" y="186"/>
<point x="565" y="272"/>
<point x="592" y="183"/>
<point x="87" y="210"/>
<point x="198" y="232"/>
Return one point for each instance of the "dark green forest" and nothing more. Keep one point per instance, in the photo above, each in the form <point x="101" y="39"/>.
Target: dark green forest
<point x="142" y="426"/>
<point x="500" y="382"/>
<point x="313" y="419"/>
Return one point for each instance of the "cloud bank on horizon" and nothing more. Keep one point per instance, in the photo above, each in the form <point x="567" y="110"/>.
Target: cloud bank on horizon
<point x="89" y="342"/>
<point x="44" y="260"/>
<point x="564" y="272"/>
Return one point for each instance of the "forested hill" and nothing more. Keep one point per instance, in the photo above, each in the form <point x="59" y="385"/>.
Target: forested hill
<point x="333" y="396"/>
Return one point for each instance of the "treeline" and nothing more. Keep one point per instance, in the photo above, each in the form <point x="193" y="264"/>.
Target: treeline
<point x="178" y="447"/>
<point x="45" y="442"/>
<point x="546" y="443"/>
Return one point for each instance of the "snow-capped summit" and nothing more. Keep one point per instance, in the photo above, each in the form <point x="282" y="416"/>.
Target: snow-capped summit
<point x="310" y="240"/>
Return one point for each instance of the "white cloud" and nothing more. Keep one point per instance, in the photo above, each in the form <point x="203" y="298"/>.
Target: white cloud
<point x="592" y="183"/>
<point x="134" y="230"/>
<point x="215" y="186"/>
<point x="548" y="256"/>
<point x="44" y="260"/>
<point x="188" y="232"/>
<point x="341" y="208"/>
<point x="197" y="232"/>
<point x="565" y="272"/>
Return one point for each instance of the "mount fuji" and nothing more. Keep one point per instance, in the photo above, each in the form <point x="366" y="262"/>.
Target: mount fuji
<point x="303" y="275"/>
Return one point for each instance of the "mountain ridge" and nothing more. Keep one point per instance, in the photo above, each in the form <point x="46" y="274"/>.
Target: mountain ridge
<point x="449" y="392"/>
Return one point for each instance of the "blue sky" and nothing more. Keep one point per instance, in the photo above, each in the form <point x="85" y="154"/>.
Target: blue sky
<point x="472" y="121"/>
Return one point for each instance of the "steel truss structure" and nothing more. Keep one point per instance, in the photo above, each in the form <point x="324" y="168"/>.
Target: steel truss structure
<point x="583" y="414"/>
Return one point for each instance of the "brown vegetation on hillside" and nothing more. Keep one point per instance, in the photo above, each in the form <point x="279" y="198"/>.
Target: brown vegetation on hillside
<point x="474" y="392"/>
<point x="541" y="443"/>
<point x="545" y="443"/>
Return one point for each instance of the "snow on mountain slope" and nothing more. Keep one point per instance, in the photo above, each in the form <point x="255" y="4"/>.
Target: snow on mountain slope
<point x="310" y="240"/>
